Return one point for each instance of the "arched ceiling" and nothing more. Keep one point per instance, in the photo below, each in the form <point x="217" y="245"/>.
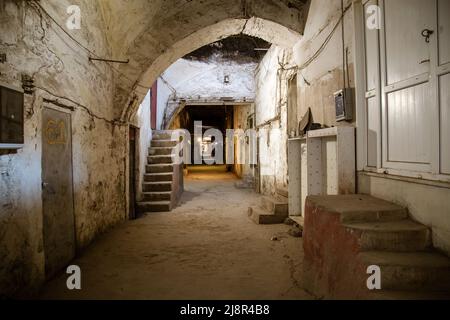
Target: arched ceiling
<point x="154" y="34"/>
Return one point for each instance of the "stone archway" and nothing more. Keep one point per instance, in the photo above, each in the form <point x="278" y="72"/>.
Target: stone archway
<point x="264" y="29"/>
<point x="164" y="34"/>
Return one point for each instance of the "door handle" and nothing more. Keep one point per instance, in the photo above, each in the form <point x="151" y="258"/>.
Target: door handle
<point x="424" y="61"/>
<point x="426" y="33"/>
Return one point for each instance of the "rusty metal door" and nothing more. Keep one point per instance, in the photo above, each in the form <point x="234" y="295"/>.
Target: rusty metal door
<point x="57" y="191"/>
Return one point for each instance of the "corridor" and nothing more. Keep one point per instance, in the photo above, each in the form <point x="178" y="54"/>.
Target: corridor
<point x="206" y="248"/>
<point x="161" y="148"/>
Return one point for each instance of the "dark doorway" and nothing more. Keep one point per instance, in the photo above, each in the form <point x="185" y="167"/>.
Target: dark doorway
<point x="57" y="191"/>
<point x="217" y="117"/>
<point x="132" y="173"/>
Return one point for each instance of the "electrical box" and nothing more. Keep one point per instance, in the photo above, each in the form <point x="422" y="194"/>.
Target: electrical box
<point x="344" y="104"/>
<point x="11" y="117"/>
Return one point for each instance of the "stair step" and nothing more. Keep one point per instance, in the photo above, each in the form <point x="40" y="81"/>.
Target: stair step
<point x="415" y="271"/>
<point x="157" y="206"/>
<point x="163" y="143"/>
<point x="261" y="216"/>
<point x="401" y="236"/>
<point x="157" y="186"/>
<point x="276" y="206"/>
<point x="159" y="168"/>
<point x="360" y="208"/>
<point x="156" y="196"/>
<point x="162" y="135"/>
<point x="160" y="151"/>
<point x="160" y="159"/>
<point x="158" y="177"/>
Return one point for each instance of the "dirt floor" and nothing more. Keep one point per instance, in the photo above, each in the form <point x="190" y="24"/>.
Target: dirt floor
<point x="207" y="248"/>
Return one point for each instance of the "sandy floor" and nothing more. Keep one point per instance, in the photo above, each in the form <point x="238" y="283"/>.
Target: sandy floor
<point x="207" y="248"/>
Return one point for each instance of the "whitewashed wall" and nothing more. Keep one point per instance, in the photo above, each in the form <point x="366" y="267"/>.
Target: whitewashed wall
<point x="204" y="80"/>
<point x="270" y="102"/>
<point x="142" y="121"/>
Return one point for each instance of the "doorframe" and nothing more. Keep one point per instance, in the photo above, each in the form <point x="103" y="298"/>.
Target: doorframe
<point x="136" y="172"/>
<point x="69" y="111"/>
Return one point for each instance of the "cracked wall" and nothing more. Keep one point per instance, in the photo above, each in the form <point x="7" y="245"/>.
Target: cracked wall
<point x="271" y="118"/>
<point x="63" y="74"/>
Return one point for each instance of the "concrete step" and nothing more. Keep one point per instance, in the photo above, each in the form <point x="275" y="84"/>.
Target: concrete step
<point x="158" y="151"/>
<point x="157" y="206"/>
<point x="158" y="177"/>
<point x="261" y="216"/>
<point x="160" y="159"/>
<point x="157" y="186"/>
<point x="400" y="236"/>
<point x="410" y="271"/>
<point x="161" y="135"/>
<point x="277" y="206"/>
<point x="156" y="196"/>
<point x="360" y="208"/>
<point x="163" y="143"/>
<point x="159" y="168"/>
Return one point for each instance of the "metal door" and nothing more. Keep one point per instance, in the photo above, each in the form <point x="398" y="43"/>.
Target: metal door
<point x="57" y="191"/>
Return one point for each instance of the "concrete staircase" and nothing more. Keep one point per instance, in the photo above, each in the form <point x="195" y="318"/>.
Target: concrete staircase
<point x="403" y="249"/>
<point x="273" y="210"/>
<point x="161" y="187"/>
<point x="376" y="232"/>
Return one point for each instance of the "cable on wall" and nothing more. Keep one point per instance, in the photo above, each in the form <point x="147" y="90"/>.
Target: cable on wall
<point x="81" y="106"/>
<point x="327" y="40"/>
<point x="91" y="52"/>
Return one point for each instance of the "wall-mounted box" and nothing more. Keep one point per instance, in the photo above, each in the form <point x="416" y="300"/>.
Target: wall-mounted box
<point x="344" y="104"/>
<point x="321" y="163"/>
<point x="11" y="117"/>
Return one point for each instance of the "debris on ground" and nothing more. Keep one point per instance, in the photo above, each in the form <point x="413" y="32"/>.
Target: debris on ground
<point x="289" y="222"/>
<point x="296" y="232"/>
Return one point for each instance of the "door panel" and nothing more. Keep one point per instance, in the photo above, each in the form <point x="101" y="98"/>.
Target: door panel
<point x="444" y="31"/>
<point x="57" y="192"/>
<point x="371" y="45"/>
<point x="405" y="46"/>
<point x="444" y="85"/>
<point x="408" y="125"/>
<point x="373" y="125"/>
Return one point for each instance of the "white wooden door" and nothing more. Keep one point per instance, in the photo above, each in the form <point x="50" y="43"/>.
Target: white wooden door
<point x="408" y="100"/>
<point x="407" y="85"/>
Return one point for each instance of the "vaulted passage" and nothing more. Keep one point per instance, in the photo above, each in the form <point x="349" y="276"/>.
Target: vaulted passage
<point x="240" y="149"/>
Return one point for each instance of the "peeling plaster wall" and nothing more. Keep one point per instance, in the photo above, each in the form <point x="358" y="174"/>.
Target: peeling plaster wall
<point x="36" y="47"/>
<point x="142" y="121"/>
<point x="204" y="81"/>
<point x="271" y="111"/>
